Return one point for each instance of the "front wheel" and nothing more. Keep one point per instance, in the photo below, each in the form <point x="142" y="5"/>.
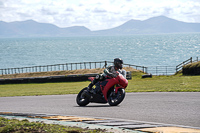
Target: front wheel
<point x="116" y="98"/>
<point x="82" y="99"/>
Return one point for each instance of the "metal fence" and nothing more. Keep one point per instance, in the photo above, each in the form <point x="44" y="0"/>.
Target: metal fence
<point x="169" y="70"/>
<point x="162" y="70"/>
<point x="64" y="67"/>
<point x="154" y="70"/>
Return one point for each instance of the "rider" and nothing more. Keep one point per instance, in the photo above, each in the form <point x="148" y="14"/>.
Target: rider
<point x="111" y="71"/>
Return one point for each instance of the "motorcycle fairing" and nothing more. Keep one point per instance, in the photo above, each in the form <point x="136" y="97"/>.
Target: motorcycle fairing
<point x="106" y="88"/>
<point x="103" y="84"/>
<point x="113" y="81"/>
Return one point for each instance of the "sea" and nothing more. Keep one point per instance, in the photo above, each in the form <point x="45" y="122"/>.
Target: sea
<point x="143" y="50"/>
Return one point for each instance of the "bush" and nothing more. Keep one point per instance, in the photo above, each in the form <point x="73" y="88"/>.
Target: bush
<point x="192" y="69"/>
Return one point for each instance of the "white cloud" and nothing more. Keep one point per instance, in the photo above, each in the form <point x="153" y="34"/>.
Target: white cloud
<point x="97" y="14"/>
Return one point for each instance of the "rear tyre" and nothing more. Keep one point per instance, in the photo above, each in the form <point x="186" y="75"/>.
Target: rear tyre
<point x="82" y="99"/>
<point x="116" y="98"/>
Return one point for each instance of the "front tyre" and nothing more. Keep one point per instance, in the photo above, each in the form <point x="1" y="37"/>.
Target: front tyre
<point x="82" y="99"/>
<point x="116" y="98"/>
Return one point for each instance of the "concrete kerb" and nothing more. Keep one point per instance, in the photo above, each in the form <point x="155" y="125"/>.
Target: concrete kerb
<point x="108" y="124"/>
<point x="72" y="124"/>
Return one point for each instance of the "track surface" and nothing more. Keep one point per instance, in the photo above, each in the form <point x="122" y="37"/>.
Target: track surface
<point x="180" y="108"/>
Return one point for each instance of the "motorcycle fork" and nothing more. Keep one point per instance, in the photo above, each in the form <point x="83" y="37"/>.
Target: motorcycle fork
<point x="116" y="88"/>
<point x="114" y="91"/>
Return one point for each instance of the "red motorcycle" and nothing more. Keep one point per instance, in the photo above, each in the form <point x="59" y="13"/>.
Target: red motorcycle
<point x="111" y="90"/>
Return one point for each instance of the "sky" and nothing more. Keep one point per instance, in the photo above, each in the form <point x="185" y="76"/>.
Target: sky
<point x="97" y="14"/>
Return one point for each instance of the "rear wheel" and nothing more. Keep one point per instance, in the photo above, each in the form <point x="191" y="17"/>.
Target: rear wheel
<point x="82" y="99"/>
<point x="116" y="98"/>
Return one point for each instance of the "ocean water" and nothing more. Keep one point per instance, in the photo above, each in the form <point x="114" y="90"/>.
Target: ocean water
<point x="145" y="50"/>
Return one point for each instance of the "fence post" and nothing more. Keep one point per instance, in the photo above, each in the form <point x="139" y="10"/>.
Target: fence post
<point x="85" y="65"/>
<point x="156" y="70"/>
<point x="66" y="66"/>
<point x="105" y="64"/>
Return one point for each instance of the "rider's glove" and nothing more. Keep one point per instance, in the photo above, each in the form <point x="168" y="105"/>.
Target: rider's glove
<point x="114" y="75"/>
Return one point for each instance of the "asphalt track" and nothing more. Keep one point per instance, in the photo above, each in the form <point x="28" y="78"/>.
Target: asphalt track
<point x="179" y="108"/>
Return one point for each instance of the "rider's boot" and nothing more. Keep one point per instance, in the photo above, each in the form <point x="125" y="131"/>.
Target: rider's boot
<point x="97" y="78"/>
<point x="90" y="90"/>
<point x="91" y="85"/>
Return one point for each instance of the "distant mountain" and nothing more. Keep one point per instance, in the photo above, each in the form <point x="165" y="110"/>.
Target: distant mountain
<point x="32" y="28"/>
<point x="155" y="25"/>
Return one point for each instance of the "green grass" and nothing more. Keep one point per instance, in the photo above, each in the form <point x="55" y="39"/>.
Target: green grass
<point x="176" y="83"/>
<point x="41" y="89"/>
<point x="165" y="84"/>
<point x="24" y="126"/>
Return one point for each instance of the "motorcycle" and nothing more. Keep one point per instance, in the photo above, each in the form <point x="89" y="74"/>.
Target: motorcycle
<point x="111" y="90"/>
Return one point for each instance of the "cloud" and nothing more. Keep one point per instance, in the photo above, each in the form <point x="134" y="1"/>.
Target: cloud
<point x="47" y="11"/>
<point x="1" y="4"/>
<point x="97" y="14"/>
<point x="99" y="10"/>
<point x="69" y="9"/>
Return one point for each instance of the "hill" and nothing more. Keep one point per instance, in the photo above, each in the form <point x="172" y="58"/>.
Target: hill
<point x="32" y="28"/>
<point x="155" y="25"/>
<point x="192" y="69"/>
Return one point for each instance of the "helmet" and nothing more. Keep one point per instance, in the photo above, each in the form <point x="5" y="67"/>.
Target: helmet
<point x="118" y="63"/>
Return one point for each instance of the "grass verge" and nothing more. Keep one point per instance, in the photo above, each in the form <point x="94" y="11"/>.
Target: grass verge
<point x="177" y="83"/>
<point x="16" y="126"/>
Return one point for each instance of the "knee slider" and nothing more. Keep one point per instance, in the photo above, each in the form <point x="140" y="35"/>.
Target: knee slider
<point x="97" y="77"/>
